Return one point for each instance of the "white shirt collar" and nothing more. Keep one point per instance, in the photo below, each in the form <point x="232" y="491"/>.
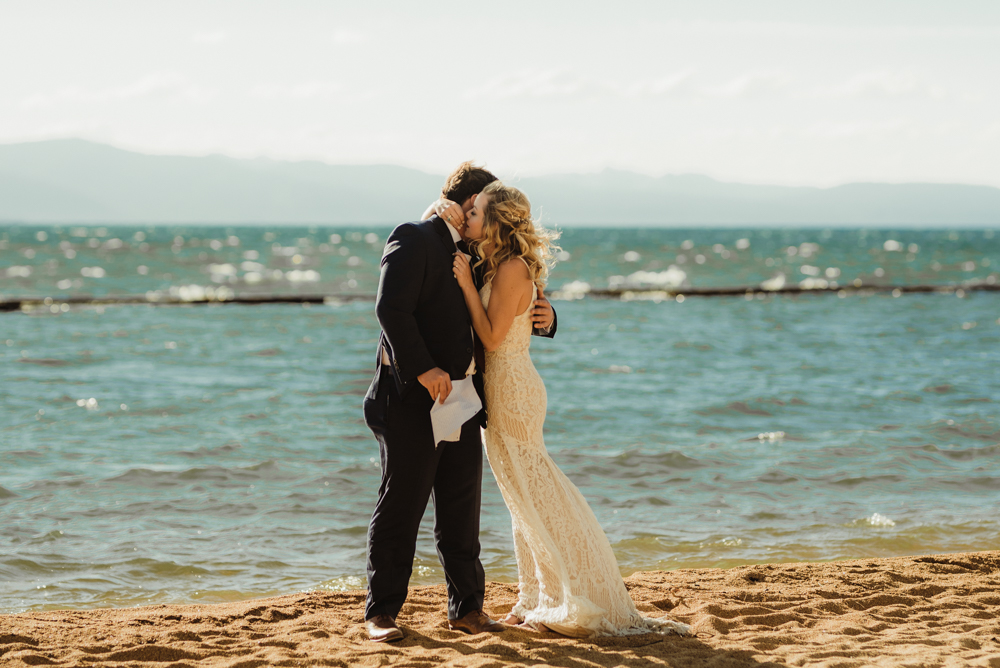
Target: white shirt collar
<point x="455" y="236"/>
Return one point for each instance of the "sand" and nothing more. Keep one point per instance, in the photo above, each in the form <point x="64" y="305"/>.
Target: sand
<point x="941" y="610"/>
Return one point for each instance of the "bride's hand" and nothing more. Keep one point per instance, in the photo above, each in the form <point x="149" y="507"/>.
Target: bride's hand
<point x="463" y="272"/>
<point x="450" y="211"/>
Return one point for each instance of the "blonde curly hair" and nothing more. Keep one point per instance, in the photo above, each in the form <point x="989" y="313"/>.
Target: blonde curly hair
<point x="509" y="232"/>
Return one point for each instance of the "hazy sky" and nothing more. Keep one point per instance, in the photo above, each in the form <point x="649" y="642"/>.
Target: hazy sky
<point x="796" y="92"/>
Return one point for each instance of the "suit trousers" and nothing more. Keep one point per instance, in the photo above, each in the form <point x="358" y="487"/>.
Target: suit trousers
<point x="413" y="471"/>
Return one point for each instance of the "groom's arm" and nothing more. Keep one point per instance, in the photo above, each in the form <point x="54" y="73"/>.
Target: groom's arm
<point x="398" y="293"/>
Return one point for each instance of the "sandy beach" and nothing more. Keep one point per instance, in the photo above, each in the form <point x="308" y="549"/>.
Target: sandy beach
<point x="941" y="610"/>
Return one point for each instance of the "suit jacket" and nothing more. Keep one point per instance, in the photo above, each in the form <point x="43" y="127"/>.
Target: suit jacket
<point x="420" y="307"/>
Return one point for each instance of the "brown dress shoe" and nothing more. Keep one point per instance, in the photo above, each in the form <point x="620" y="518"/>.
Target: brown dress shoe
<point x="475" y="622"/>
<point x="382" y="628"/>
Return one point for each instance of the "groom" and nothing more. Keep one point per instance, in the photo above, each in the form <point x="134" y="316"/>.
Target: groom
<point x="426" y="342"/>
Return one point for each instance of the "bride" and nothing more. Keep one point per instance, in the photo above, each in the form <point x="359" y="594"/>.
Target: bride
<point x="569" y="580"/>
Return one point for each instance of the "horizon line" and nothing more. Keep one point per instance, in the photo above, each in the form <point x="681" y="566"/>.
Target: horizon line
<point x="512" y="179"/>
<point x="600" y="226"/>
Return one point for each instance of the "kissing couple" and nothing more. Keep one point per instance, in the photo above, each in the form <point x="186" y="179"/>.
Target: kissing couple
<point x="455" y="340"/>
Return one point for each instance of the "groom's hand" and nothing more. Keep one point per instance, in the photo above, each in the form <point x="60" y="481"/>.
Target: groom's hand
<point x="542" y="314"/>
<point x="437" y="382"/>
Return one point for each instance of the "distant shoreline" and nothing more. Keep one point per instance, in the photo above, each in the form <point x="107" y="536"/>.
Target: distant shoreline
<point x="618" y="227"/>
<point x="75" y="180"/>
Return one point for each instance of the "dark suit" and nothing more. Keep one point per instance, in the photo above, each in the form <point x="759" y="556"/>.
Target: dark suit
<point x="425" y="324"/>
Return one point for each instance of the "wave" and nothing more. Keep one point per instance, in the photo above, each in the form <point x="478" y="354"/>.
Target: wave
<point x="44" y="361"/>
<point x="863" y="480"/>
<point x="736" y="407"/>
<point x="268" y="470"/>
<point x="210" y="452"/>
<point x="965" y="454"/>
<point x="633" y="463"/>
<point x="982" y="482"/>
<point x="776" y="477"/>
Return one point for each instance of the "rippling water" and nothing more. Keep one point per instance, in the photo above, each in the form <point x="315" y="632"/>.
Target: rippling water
<point x="154" y="454"/>
<point x="102" y="261"/>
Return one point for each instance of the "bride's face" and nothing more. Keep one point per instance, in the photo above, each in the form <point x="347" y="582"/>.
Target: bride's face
<point x="474" y="219"/>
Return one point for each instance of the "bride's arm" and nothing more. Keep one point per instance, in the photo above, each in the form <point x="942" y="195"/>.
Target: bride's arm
<point x="445" y="208"/>
<point x="510" y="285"/>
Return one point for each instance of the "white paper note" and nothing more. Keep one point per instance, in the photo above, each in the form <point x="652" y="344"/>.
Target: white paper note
<point x="461" y="406"/>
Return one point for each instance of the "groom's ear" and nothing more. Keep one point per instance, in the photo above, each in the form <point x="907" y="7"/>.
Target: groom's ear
<point x="467" y="204"/>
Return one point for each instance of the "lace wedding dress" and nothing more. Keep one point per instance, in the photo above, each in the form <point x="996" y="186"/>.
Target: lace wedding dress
<point x="568" y="576"/>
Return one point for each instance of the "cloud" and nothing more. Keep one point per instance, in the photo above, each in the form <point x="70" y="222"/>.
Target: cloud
<point x="151" y="84"/>
<point x="667" y="85"/>
<point x="846" y="130"/>
<point x="823" y="31"/>
<point x="555" y="83"/>
<point x="168" y="83"/>
<point x="210" y="37"/>
<point x="528" y="84"/>
<point x="301" y="91"/>
<point x="349" y="37"/>
<point x="878" y="84"/>
<point x="747" y="85"/>
<point x="53" y="98"/>
<point x="992" y="132"/>
<point x="531" y="84"/>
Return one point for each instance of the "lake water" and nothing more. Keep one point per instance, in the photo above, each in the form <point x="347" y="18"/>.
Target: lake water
<point x="211" y="453"/>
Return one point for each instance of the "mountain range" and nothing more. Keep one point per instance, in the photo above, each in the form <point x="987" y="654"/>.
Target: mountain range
<point x="72" y="180"/>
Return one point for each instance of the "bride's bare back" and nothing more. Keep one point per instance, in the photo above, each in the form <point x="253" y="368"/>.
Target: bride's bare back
<point x="513" y="292"/>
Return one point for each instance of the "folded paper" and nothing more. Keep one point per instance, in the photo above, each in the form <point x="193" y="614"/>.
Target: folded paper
<point x="461" y="406"/>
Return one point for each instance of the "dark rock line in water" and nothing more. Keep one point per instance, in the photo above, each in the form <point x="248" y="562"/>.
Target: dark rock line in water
<point x="29" y="304"/>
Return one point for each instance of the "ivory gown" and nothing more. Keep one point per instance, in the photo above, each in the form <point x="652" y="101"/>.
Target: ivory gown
<point x="568" y="576"/>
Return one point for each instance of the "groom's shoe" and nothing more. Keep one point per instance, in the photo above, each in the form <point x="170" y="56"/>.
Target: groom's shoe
<point x="382" y="628"/>
<point x="475" y="622"/>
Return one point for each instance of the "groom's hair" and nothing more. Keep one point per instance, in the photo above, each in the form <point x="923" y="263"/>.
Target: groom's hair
<point x="467" y="180"/>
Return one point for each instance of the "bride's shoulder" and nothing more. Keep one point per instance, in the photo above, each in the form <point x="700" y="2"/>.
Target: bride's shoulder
<point x="514" y="268"/>
<point x="512" y="274"/>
